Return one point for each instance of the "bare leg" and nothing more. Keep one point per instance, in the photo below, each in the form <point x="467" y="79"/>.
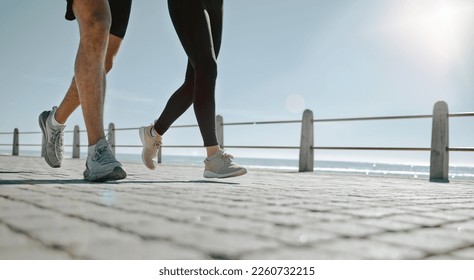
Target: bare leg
<point x="94" y="21"/>
<point x="71" y="100"/>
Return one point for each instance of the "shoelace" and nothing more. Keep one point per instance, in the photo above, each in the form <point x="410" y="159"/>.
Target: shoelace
<point x="102" y="157"/>
<point x="157" y="143"/>
<point x="226" y="157"/>
<point x="58" y="140"/>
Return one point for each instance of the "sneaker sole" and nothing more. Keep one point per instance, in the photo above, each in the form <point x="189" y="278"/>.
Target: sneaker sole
<point x="42" y="123"/>
<point x="209" y="174"/>
<point x="142" y="138"/>
<point x="117" y="174"/>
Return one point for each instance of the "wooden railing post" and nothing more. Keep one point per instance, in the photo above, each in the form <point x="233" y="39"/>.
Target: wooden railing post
<point x="220" y="130"/>
<point x="111" y="138"/>
<point x="306" y="162"/>
<point x="439" y="163"/>
<point x="43" y="151"/>
<point x="76" y="144"/>
<point x="159" y="155"/>
<point x="16" y="143"/>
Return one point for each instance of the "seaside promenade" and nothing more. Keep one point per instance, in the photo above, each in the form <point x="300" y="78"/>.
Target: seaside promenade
<point x="173" y="213"/>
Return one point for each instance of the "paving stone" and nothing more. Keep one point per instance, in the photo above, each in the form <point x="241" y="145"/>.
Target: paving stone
<point x="223" y="244"/>
<point x="346" y="228"/>
<point x="372" y="249"/>
<point x="466" y="226"/>
<point x="10" y="239"/>
<point x="462" y="212"/>
<point x="297" y="253"/>
<point x="386" y="224"/>
<point x="139" y="250"/>
<point x="431" y="241"/>
<point x="233" y="223"/>
<point x="467" y="253"/>
<point x="326" y="216"/>
<point x="32" y="251"/>
<point x="446" y="215"/>
<point x="374" y="212"/>
<point x="316" y="207"/>
<point x="417" y="219"/>
<point x="301" y="236"/>
<point x="444" y="257"/>
<point x="282" y="220"/>
<point x="159" y="228"/>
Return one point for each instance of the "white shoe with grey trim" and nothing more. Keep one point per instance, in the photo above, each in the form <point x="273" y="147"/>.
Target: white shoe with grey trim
<point x="150" y="146"/>
<point x="220" y="165"/>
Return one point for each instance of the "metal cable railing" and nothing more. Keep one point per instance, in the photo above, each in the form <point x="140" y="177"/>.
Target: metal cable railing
<point x="454" y="149"/>
<point x="440" y="113"/>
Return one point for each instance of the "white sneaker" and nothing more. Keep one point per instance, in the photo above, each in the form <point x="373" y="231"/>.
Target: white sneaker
<point x="150" y="146"/>
<point x="53" y="139"/>
<point x="220" y="165"/>
<point x="102" y="165"/>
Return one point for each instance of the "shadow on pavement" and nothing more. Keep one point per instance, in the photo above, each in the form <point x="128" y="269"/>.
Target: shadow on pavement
<point x="176" y="182"/>
<point x="80" y="181"/>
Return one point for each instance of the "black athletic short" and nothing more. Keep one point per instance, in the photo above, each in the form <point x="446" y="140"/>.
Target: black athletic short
<point x="120" y="10"/>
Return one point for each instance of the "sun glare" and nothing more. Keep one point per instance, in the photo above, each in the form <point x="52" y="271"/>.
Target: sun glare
<point x="433" y="32"/>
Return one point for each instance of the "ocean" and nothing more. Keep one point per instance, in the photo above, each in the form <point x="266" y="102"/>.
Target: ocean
<point x="345" y="167"/>
<point x="360" y="168"/>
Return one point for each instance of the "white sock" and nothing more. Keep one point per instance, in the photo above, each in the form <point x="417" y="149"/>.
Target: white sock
<point x="90" y="151"/>
<point x="54" y="122"/>
<point x="153" y="132"/>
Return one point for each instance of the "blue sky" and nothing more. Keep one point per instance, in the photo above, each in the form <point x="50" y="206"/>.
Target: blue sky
<point x="338" y="58"/>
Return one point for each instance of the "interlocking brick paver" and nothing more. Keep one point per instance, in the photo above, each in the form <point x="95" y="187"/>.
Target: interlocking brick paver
<point x="446" y="215"/>
<point x="11" y="240"/>
<point x="467" y="253"/>
<point x="298" y="253"/>
<point x="141" y="251"/>
<point x="371" y="249"/>
<point x="32" y="251"/>
<point x="223" y="244"/>
<point x="374" y="212"/>
<point x="418" y="219"/>
<point x="387" y="224"/>
<point x="297" y="236"/>
<point x="172" y="213"/>
<point x="346" y="228"/>
<point x="443" y="257"/>
<point x="466" y="226"/>
<point x="326" y="216"/>
<point x="430" y="240"/>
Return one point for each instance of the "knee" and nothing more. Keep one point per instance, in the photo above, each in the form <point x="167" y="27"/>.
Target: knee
<point x="96" y="24"/>
<point x="206" y="68"/>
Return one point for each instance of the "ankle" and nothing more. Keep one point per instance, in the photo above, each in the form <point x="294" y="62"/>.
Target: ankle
<point x="91" y="150"/>
<point x="55" y="122"/>
<point x="153" y="132"/>
<point x="212" y="150"/>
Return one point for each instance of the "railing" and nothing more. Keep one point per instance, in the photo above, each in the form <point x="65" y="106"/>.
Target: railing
<point x="439" y="160"/>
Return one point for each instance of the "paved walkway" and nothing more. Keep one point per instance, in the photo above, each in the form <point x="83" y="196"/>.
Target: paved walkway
<point x="172" y="213"/>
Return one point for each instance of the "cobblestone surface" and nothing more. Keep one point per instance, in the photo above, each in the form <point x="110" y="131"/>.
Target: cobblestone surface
<point x="172" y="213"/>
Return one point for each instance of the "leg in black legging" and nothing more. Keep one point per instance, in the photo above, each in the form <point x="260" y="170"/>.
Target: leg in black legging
<point x="198" y="24"/>
<point x="178" y="103"/>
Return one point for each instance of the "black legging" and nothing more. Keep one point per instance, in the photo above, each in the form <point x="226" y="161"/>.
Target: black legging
<point x="198" y="24"/>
